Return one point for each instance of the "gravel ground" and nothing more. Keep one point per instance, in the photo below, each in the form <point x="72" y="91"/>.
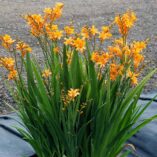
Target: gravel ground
<point x="98" y="12"/>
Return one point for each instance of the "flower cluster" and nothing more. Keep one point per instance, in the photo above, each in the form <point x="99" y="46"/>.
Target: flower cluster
<point x="52" y="14"/>
<point x="69" y="30"/>
<point x="7" y="41"/>
<point x="105" y="33"/>
<point x="36" y="23"/>
<point x="73" y="93"/>
<point x="70" y="96"/>
<point x="9" y="64"/>
<point x="128" y="54"/>
<point x="23" y="48"/>
<point x="125" y="22"/>
<point x="115" y="71"/>
<point x="101" y="59"/>
<point x="117" y="56"/>
<point x="53" y="32"/>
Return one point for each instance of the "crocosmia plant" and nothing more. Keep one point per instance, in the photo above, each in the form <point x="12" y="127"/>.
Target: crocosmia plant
<point x="81" y="99"/>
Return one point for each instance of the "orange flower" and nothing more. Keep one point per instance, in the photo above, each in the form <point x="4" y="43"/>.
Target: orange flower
<point x="48" y="11"/>
<point x="138" y="46"/>
<point x="137" y="59"/>
<point x="95" y="57"/>
<point x="7" y="41"/>
<point x="121" y="52"/>
<point x="125" y="22"/>
<point x="59" y="5"/>
<point x="53" y="13"/>
<point x="133" y="76"/>
<point x="55" y="35"/>
<point x="36" y="22"/>
<point x="57" y="10"/>
<point x="53" y="32"/>
<point x="69" y="30"/>
<point x="115" y="50"/>
<point x="115" y="71"/>
<point x="46" y="73"/>
<point x="126" y="50"/>
<point x="58" y="34"/>
<point x="105" y="33"/>
<point x="23" y="48"/>
<point x="85" y="32"/>
<point x="104" y="59"/>
<point x="8" y="63"/>
<point x="12" y="74"/>
<point x="73" y="93"/>
<point x="51" y="27"/>
<point x="119" y="42"/>
<point x="68" y="41"/>
<point x="93" y="30"/>
<point x="100" y="59"/>
<point x="79" y="44"/>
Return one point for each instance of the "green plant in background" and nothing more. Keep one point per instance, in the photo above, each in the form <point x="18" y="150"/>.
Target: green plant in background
<point x="81" y="99"/>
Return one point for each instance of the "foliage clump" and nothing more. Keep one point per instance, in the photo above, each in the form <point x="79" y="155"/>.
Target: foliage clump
<point x="82" y="102"/>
